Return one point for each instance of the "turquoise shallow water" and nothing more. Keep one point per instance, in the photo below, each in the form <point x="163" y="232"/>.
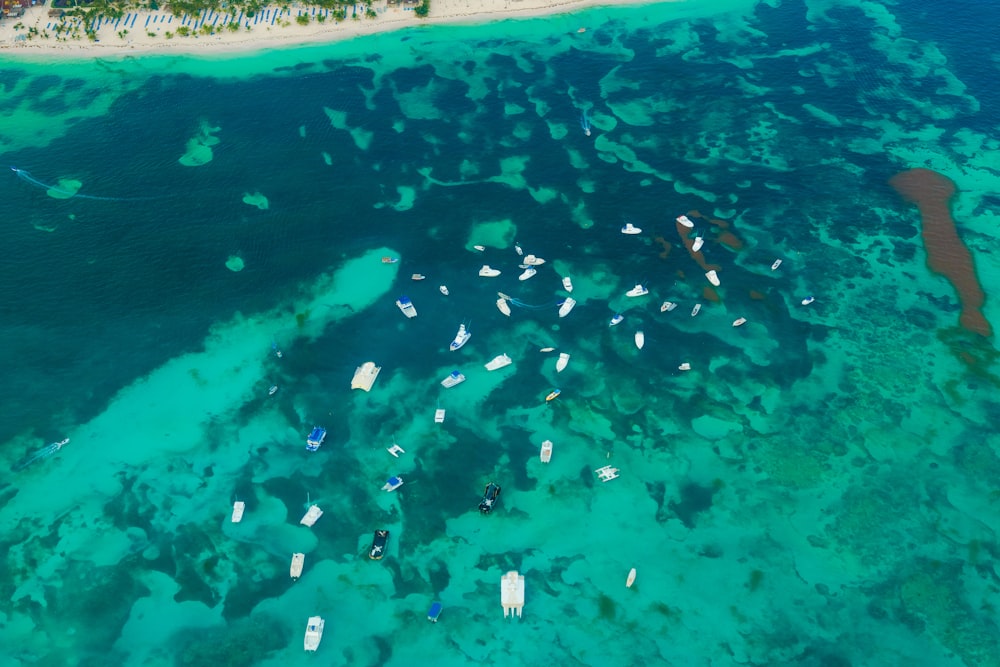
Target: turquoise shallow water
<point x="819" y="489"/>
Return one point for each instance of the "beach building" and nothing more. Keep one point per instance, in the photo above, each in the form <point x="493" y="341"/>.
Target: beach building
<point x="12" y="9"/>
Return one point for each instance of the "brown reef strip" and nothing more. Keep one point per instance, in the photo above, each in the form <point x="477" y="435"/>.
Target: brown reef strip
<point x="946" y="253"/>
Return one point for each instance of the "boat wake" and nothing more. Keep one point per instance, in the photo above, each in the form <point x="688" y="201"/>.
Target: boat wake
<point x="42" y="453"/>
<point x="26" y="176"/>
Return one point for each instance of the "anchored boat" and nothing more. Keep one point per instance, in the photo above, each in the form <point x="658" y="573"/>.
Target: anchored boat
<point x="378" y="544"/>
<point x="316" y="438"/>
<point x="406" y="306"/>
<point x="364" y="376"/>
<point x="545" y="453"/>
<point x="314" y="633"/>
<point x="461" y="338"/>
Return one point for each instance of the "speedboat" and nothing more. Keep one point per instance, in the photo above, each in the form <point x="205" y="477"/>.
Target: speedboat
<point x="517" y="249"/>
<point x="553" y="395"/>
<point x="439" y="416"/>
<point x="638" y="290"/>
<point x="629" y="228"/>
<point x="503" y="306"/>
<point x="298" y="560"/>
<point x="528" y="272"/>
<point x="453" y="378"/>
<point x="314" y="633"/>
<point x="607" y="473"/>
<point x="434" y="612"/>
<point x="686" y="221"/>
<point x="713" y="277"/>
<point x="696" y="309"/>
<point x="487" y="272"/>
<point x="698" y="243"/>
<point x="563" y="361"/>
<point x="364" y="376"/>
<point x="684" y="367"/>
<point x="316" y="438"/>
<point x="490" y="496"/>
<point x="406" y="306"/>
<point x="378" y="544"/>
<point x="393" y="483"/>
<point x="531" y="260"/>
<point x="444" y="290"/>
<point x="545" y="453"/>
<point x="617" y="319"/>
<point x="480" y="248"/>
<point x="567" y="284"/>
<point x="238" y="508"/>
<point x="461" y="338"/>
<point x="311" y="516"/>
<point x="667" y="306"/>
<point x="390" y="260"/>
<point x="498" y="362"/>
<point x="640" y="339"/>
<point x="777" y="263"/>
<point x="809" y="299"/>
<point x="418" y="276"/>
<point x="566" y="306"/>
<point x="739" y="322"/>
<point x="631" y="578"/>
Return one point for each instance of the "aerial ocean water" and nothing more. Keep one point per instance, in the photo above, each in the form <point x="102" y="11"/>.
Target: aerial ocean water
<point x="819" y="489"/>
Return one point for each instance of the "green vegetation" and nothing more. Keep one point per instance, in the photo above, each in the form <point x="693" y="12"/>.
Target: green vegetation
<point x="423" y="9"/>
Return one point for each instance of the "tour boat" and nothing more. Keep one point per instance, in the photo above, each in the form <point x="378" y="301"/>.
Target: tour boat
<point x="393" y="483"/>
<point x="453" y="378"/>
<point x="696" y="309"/>
<point x="512" y="594"/>
<point x="364" y="376"/>
<point x="528" y="272"/>
<point x="406" y="306"/>
<point x="667" y="306"/>
<point x="490" y="496"/>
<point x="238" y="508"/>
<point x="713" y="277"/>
<point x="777" y="263"/>
<point x="418" y="276"/>
<point x="561" y="364"/>
<point x="314" y="633"/>
<point x="444" y="290"/>
<point x="498" y="362"/>
<point x="298" y="560"/>
<point x="434" y="612"/>
<point x="607" y="473"/>
<point x="316" y="438"/>
<point x="698" y="243"/>
<point x="311" y="516"/>
<point x="439" y="416"/>
<point x="809" y="299"/>
<point x="567" y="284"/>
<point x="566" y="306"/>
<point x="739" y="322"/>
<point x="617" y="319"/>
<point x="684" y="367"/>
<point x="638" y="290"/>
<point x="553" y="395"/>
<point x="631" y="578"/>
<point x="488" y="272"/>
<point x="378" y="544"/>
<point x="545" y="453"/>
<point x="686" y="221"/>
<point x="629" y="228"/>
<point x="640" y="339"/>
<point x="461" y="338"/>
<point x="503" y="306"/>
<point x="480" y="248"/>
<point x="531" y="260"/>
<point x="390" y="260"/>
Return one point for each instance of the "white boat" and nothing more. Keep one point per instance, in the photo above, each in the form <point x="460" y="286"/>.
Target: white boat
<point x="439" y="416"/>
<point x="629" y="228"/>
<point x="640" y="339"/>
<point x="696" y="309"/>
<point x="531" y="260"/>
<point x="272" y="390"/>
<point x="406" y="306"/>
<point x="698" y="243"/>
<point x="777" y="263"/>
<point x="638" y="290"/>
<point x="739" y="322"/>
<point x="686" y="221"/>
<point x="461" y="338"/>
<point x="567" y="284"/>
<point x="713" y="277"/>
<point x="684" y="367"/>
<point x="809" y="299"/>
<point x="314" y="632"/>
<point x="418" y="276"/>
<point x="364" y="376"/>
<point x="444" y="290"/>
<point x="503" y="307"/>
<point x="312" y="516"/>
<point x="238" y="508"/>
<point x="395" y="450"/>
<point x="607" y="473"/>
<point x="517" y="249"/>
<point x="393" y="483"/>
<point x="631" y="578"/>
<point x="566" y="306"/>
<point x="298" y="560"/>
<point x="528" y="272"/>
<point x="563" y="361"/>
<point x="667" y="306"/>
<point x="545" y="453"/>
<point x="498" y="362"/>
<point x="617" y="319"/>
<point x="512" y="594"/>
<point x="546" y="349"/>
<point x="488" y="272"/>
<point x="480" y="248"/>
<point x="453" y="378"/>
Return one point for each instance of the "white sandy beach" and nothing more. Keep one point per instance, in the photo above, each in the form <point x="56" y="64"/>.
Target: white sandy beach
<point x="152" y="32"/>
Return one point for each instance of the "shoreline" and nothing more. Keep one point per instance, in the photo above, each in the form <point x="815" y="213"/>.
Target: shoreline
<point x="147" y="31"/>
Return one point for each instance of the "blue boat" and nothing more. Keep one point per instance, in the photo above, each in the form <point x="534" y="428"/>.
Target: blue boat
<point x="315" y="438"/>
<point x="434" y="612"/>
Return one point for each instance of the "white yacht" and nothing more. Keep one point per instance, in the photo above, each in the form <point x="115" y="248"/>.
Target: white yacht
<point x="298" y="560"/>
<point x="713" y="277"/>
<point x="563" y="361"/>
<point x="312" y="516"/>
<point x="444" y="290"/>
<point x="545" y="453"/>
<point x="640" y="339"/>
<point x="461" y="338"/>
<point x="528" y="272"/>
<point x="364" y="376"/>
<point x="406" y="306"/>
<point x="667" y="306"/>
<point x="453" y="378"/>
<point x="629" y="228"/>
<point x="503" y="306"/>
<point x="314" y="633"/>
<point x="498" y="362"/>
<point x="698" y="243"/>
<point x="566" y="306"/>
<point x="638" y="290"/>
<point x="480" y="248"/>
<point x="809" y="299"/>
<point x="567" y="284"/>
<point x="696" y="309"/>
<point x="686" y="221"/>
<point x="777" y="263"/>
<point x="512" y="594"/>
<point x="739" y="322"/>
<point x="684" y="367"/>
<point x="439" y="416"/>
<point x="617" y="319"/>
<point x="418" y="276"/>
<point x="488" y="272"/>
<point x="531" y="260"/>
<point x="238" y="508"/>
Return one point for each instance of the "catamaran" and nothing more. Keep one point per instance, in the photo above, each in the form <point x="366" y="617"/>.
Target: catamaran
<point x="364" y="376"/>
<point x="406" y="306"/>
<point x="461" y="338"/>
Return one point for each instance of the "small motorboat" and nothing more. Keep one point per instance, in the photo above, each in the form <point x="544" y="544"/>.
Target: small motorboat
<point x="498" y="362"/>
<point x="531" y="260"/>
<point x="684" y="367"/>
<point x="314" y="632"/>
<point x="777" y="263"/>
<point x="434" y="612"/>
<point x="580" y="31"/>
<point x="272" y="390"/>
<point x="809" y="299"/>
<point x="667" y="306"/>
<point x="238" y="508"/>
<point x="490" y="496"/>
<point x="563" y="361"/>
<point x="631" y="578"/>
<point x="566" y="306"/>
<point x="698" y="243"/>
<point x="316" y="438"/>
<point x="311" y="516"/>
<point x="298" y="561"/>
<point x="696" y="309"/>
<point x="553" y="395"/>
<point x="488" y="272"/>
<point x="439" y="416"/>
<point x="739" y="322"/>
<point x="713" y="277"/>
<point x="528" y="272"/>
<point x="517" y="249"/>
<point x="640" y="339"/>
<point x="545" y="453"/>
<point x="444" y="290"/>
<point x="461" y="338"/>
<point x="390" y="260"/>
<point x="607" y="473"/>
<point x="629" y="228"/>
<point x="638" y="290"/>
<point x="393" y="483"/>
<point x="453" y="378"/>
<point x="686" y="221"/>
<point x="406" y="306"/>
<point x="418" y="276"/>
<point x="503" y="307"/>
<point x="567" y="284"/>
<point x="480" y="248"/>
<point x="379" y="541"/>
<point x="617" y="319"/>
<point x="546" y="349"/>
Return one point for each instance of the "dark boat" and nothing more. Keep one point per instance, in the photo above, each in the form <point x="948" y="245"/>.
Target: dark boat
<point x="378" y="544"/>
<point x="434" y="612"/>
<point x="489" y="497"/>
